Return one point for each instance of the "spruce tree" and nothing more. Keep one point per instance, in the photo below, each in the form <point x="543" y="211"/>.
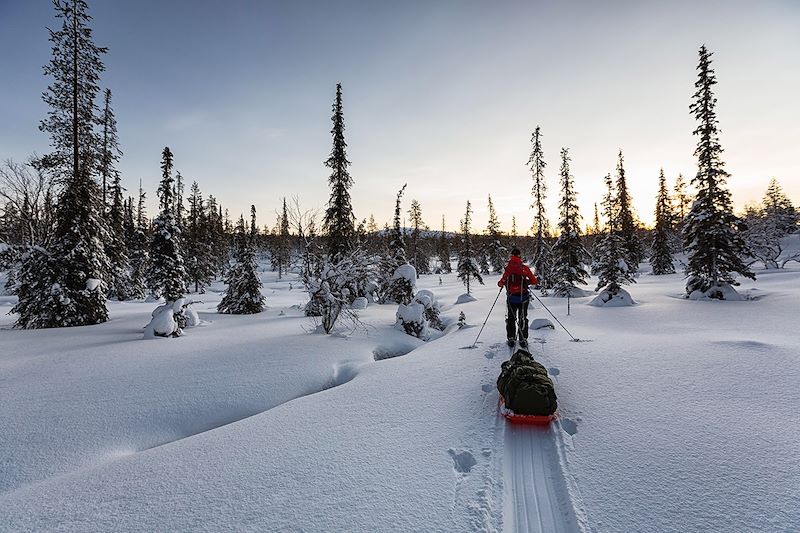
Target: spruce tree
<point x="110" y="151"/>
<point x="167" y="274"/>
<point x="611" y="257"/>
<point x="66" y="286"/>
<point x="283" y="242"/>
<point x="215" y="234"/>
<point x="397" y="246"/>
<point x="542" y="253"/>
<point x="467" y="266"/>
<point x="710" y="234"/>
<point x="179" y="208"/>
<point x="243" y="296"/>
<point x="627" y="225"/>
<point x="120" y="284"/>
<point x="444" y="251"/>
<point x="419" y="257"/>
<point x="569" y="255"/>
<point x="200" y="266"/>
<point x="339" y="221"/>
<point x="781" y="215"/>
<point x="682" y="202"/>
<point x="495" y="252"/>
<point x="138" y="247"/>
<point x="768" y="224"/>
<point x="661" y="260"/>
<point x="393" y="288"/>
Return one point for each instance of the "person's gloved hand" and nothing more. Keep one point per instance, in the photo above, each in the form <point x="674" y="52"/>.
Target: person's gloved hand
<point x="500" y="283"/>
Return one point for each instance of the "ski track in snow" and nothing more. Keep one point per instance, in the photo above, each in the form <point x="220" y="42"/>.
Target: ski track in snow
<point x="535" y="490"/>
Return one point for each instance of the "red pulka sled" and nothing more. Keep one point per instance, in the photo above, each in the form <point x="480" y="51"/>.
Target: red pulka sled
<point x="526" y="420"/>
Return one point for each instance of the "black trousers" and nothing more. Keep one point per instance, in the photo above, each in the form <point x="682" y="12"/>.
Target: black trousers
<point x="517" y="314"/>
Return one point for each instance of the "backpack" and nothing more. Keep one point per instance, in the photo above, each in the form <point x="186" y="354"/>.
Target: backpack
<point x="525" y="386"/>
<point x="517" y="284"/>
<point x="520" y="358"/>
<point x="528" y="392"/>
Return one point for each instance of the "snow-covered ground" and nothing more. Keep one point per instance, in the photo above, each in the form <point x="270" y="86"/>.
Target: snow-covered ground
<point x="675" y="415"/>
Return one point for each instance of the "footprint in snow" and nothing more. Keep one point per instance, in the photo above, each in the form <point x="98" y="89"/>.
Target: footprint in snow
<point x="463" y="461"/>
<point x="489" y="354"/>
<point x="487" y="387"/>
<point x="569" y="426"/>
<point x="553" y="371"/>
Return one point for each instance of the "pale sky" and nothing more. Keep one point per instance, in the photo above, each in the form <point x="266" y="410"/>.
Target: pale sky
<point x="440" y="94"/>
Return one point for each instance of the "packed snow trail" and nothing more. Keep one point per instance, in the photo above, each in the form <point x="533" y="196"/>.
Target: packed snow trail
<point x="535" y="496"/>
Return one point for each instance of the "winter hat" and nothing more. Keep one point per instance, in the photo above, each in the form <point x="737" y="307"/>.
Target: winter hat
<point x="515" y="251"/>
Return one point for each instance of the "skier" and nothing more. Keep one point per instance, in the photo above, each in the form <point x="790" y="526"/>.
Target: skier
<point x="516" y="279"/>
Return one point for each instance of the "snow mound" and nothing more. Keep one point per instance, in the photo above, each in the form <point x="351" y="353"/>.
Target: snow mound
<point x="191" y="316"/>
<point x="465" y="298"/>
<point x="411" y="318"/>
<point x="575" y="292"/>
<point x="407" y="272"/>
<point x="359" y="303"/>
<point x="606" y="299"/>
<point x="541" y="323"/>
<point x="163" y="323"/>
<point x="720" y="291"/>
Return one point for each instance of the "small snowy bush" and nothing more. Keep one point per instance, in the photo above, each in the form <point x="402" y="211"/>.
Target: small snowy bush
<point x="607" y="298"/>
<point x="404" y="281"/>
<point x="719" y="291"/>
<point x="171" y="318"/>
<point x="411" y="318"/>
<point x="432" y="308"/>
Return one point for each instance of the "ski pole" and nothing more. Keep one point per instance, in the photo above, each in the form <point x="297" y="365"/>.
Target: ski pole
<point x="554" y="316"/>
<point x="487" y="317"/>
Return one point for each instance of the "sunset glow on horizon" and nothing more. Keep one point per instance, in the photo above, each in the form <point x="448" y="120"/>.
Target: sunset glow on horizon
<point x="443" y="96"/>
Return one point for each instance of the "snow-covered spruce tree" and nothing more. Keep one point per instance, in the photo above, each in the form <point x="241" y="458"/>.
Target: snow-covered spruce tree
<point x="66" y="285"/>
<point x="542" y="260"/>
<point x="627" y="226"/>
<point x="177" y="198"/>
<point x="710" y="234"/>
<point x="243" y="296"/>
<point x="397" y="246"/>
<point x="137" y="242"/>
<point x="215" y="235"/>
<point x="483" y="261"/>
<point x="467" y="266"/>
<point x="681" y="202"/>
<point x="444" y="251"/>
<point x="110" y="151"/>
<point x="495" y="252"/>
<point x="121" y="285"/>
<point x="782" y="216"/>
<point x="283" y="246"/>
<point x="419" y="255"/>
<point x="339" y="222"/>
<point x="569" y="255"/>
<point x="611" y="258"/>
<point x="42" y="303"/>
<point x="391" y="288"/>
<point x="432" y="308"/>
<point x="167" y="274"/>
<point x="768" y="225"/>
<point x="200" y="267"/>
<point x="661" y="260"/>
<point x="403" y="284"/>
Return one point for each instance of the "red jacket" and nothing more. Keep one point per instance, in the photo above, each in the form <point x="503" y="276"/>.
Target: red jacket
<point x="514" y="274"/>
